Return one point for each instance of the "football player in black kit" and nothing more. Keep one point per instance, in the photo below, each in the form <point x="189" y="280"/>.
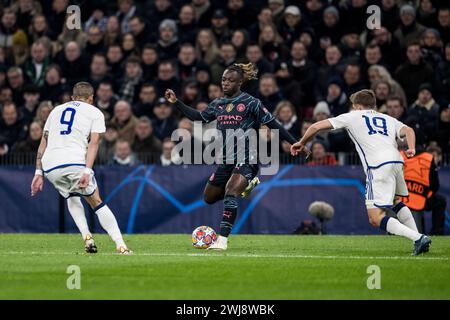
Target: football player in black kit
<point x="236" y="110"/>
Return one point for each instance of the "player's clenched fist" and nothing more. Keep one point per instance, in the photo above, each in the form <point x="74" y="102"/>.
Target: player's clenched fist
<point x="298" y="147"/>
<point x="170" y="96"/>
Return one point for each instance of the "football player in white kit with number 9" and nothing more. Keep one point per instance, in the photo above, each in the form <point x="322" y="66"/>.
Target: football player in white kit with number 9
<point x="65" y="157"/>
<point x="374" y="135"/>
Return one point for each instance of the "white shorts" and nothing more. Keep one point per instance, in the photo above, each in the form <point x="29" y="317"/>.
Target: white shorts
<point x="66" y="180"/>
<point x="383" y="184"/>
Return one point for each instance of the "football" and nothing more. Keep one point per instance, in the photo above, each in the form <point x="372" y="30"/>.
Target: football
<point x="203" y="237"/>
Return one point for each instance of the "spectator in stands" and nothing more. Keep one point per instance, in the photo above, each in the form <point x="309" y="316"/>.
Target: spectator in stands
<point x="277" y="7"/>
<point x="227" y="57"/>
<point x="427" y="14"/>
<point x="74" y="66"/>
<point x="431" y="47"/>
<point x="25" y="9"/>
<point x="161" y="10"/>
<point x="382" y="91"/>
<point x="351" y="46"/>
<point x="147" y="99"/>
<point x="285" y="113"/>
<point x="106" y="146"/>
<point x="272" y="44"/>
<point x="413" y="72"/>
<point x="70" y="35"/>
<point x="187" y="62"/>
<point x="164" y="122"/>
<point x="149" y="58"/>
<point x="206" y="47"/>
<point x="442" y="76"/>
<point x="20" y="49"/>
<point x="94" y="42"/>
<point x="168" y="40"/>
<point x="123" y="154"/>
<point x="57" y="16"/>
<point x="127" y="9"/>
<point x="203" y="78"/>
<point x="115" y="58"/>
<point x="140" y="30"/>
<point x="291" y="25"/>
<point x="145" y="143"/>
<point x="166" y="79"/>
<point x="166" y="158"/>
<point x="190" y="92"/>
<point x="336" y="97"/>
<point x="332" y="68"/>
<point x="98" y="70"/>
<point x="130" y="85"/>
<point x="113" y="31"/>
<point x="187" y="26"/>
<point x="239" y="39"/>
<point x="331" y="26"/>
<point x="444" y="24"/>
<point x="53" y="87"/>
<point x="124" y="120"/>
<point x="8" y="27"/>
<point x="389" y="46"/>
<point x="319" y="155"/>
<point x="39" y="28"/>
<point x="36" y="66"/>
<point x="390" y="17"/>
<point x="6" y="95"/>
<point x="105" y="99"/>
<point x="31" y="96"/>
<point x="264" y="18"/>
<point x="214" y="91"/>
<point x="31" y="144"/>
<point x="219" y="26"/>
<point x="395" y="108"/>
<point x="378" y="73"/>
<point x="16" y="82"/>
<point x="352" y="79"/>
<point x="443" y="136"/>
<point x="97" y="19"/>
<point x="12" y="128"/>
<point x="423" y="115"/>
<point x="409" y="30"/>
<point x="372" y="56"/>
<point x="43" y="111"/>
<point x="128" y="45"/>
<point x="269" y="93"/>
<point x="255" y="56"/>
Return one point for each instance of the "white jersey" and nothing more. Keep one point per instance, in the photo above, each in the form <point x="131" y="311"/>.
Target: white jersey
<point x="69" y="126"/>
<point x="374" y="135"/>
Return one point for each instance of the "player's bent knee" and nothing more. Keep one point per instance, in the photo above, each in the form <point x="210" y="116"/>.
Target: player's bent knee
<point x="374" y="222"/>
<point x="209" y="199"/>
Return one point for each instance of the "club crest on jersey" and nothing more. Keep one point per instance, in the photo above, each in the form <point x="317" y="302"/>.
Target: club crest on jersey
<point x="230" y="107"/>
<point x="240" y="107"/>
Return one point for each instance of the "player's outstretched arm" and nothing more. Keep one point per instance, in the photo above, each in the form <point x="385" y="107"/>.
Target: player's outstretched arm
<point x="284" y="134"/>
<point x="189" y="112"/>
<point x="300" y="147"/>
<point x="90" y="159"/>
<point x="38" y="180"/>
<point x="410" y="139"/>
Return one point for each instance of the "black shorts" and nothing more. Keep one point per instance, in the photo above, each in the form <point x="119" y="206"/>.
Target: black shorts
<point x="224" y="172"/>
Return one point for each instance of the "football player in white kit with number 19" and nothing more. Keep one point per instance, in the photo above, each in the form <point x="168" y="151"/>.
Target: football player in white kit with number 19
<point x="374" y="135"/>
<point x="66" y="155"/>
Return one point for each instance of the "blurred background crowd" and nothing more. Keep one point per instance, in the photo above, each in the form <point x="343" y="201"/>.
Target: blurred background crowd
<point x="311" y="55"/>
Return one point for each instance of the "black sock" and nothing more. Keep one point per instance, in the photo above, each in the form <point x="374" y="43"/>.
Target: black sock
<point x="229" y="215"/>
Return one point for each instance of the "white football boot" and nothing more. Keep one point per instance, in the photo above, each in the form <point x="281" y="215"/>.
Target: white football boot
<point x="124" y="250"/>
<point x="220" y="244"/>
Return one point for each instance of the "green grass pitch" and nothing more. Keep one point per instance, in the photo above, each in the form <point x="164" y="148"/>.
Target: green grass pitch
<point x="34" y="266"/>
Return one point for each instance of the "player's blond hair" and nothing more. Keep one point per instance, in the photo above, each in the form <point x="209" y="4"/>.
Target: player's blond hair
<point x="248" y="71"/>
<point x="365" y="98"/>
<point x="82" y="91"/>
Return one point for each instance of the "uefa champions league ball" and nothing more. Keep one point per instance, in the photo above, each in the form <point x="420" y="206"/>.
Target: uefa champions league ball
<point x="203" y="237"/>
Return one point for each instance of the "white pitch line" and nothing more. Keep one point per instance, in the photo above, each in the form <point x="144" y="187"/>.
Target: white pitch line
<point x="234" y="255"/>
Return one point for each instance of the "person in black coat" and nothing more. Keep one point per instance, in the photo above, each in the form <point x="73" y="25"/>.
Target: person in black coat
<point x="74" y="65"/>
<point x="164" y="122"/>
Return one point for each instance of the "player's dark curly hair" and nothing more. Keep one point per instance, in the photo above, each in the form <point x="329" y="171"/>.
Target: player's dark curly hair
<point x="248" y="71"/>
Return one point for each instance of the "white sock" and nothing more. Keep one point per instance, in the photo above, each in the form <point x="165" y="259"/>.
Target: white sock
<point x="76" y="210"/>
<point x="405" y="217"/>
<point x="396" y="227"/>
<point x="109" y="223"/>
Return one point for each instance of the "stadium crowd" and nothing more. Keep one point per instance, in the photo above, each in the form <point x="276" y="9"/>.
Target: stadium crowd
<point x="311" y="55"/>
